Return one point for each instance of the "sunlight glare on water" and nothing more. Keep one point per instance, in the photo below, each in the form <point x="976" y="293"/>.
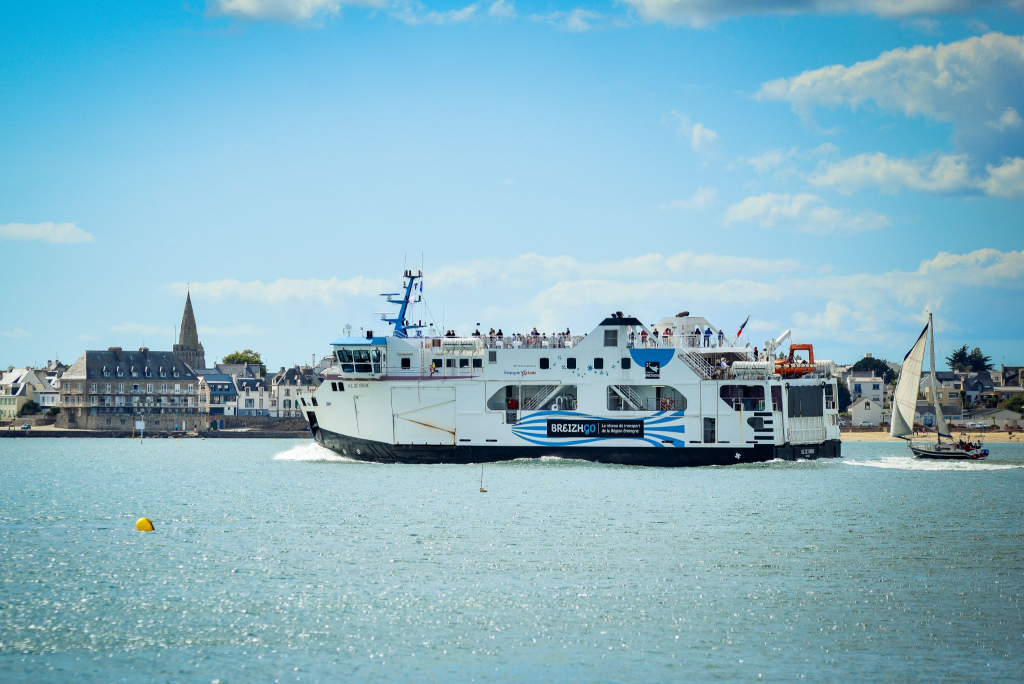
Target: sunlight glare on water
<point x="277" y="560"/>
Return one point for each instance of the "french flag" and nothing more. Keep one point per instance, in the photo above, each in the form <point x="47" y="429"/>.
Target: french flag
<point x="743" y="326"/>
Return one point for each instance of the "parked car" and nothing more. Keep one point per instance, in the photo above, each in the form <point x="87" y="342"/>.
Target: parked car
<point x="866" y="423"/>
<point x="25" y="426"/>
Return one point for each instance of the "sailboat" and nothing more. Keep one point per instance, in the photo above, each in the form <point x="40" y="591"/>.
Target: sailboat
<point x="904" y="406"/>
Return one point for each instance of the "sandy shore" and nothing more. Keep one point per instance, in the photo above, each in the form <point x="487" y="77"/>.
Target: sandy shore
<point x="987" y="437"/>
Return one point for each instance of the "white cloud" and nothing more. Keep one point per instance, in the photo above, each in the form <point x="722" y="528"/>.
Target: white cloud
<point x="411" y="12"/>
<point x="701" y="13"/>
<point x="575" y="21"/>
<point x="1007" y="120"/>
<point x="297" y="11"/>
<point x="940" y="174"/>
<point x="701" y="137"/>
<point x="502" y="8"/>
<point x="247" y="329"/>
<point x="782" y="158"/>
<point x="701" y="199"/>
<point x="144" y="329"/>
<point x="414" y="13"/>
<point x="16" y="333"/>
<point x="54" y="233"/>
<point x="326" y="291"/>
<point x="967" y="83"/>
<point x="1005" y="180"/>
<point x="808" y="212"/>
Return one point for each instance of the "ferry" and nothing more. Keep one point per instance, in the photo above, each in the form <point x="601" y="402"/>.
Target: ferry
<point x="677" y="393"/>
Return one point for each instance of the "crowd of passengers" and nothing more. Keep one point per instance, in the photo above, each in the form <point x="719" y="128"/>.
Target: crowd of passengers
<point x="496" y="339"/>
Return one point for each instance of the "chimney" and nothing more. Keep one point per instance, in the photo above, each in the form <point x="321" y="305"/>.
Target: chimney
<point x="113" y="349"/>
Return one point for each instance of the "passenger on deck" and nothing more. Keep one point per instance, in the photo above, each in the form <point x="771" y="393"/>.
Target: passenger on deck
<point x="721" y="338"/>
<point x="707" y="337"/>
<point x="655" y="333"/>
<point x="755" y="353"/>
<point x="667" y="335"/>
<point x="643" y="337"/>
<point x="476" y="333"/>
<point x="534" y="332"/>
<point x="500" y="335"/>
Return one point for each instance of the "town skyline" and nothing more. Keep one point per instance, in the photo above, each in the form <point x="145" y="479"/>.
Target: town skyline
<point x="283" y="162"/>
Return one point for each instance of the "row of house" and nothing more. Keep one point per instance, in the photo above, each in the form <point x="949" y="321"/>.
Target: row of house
<point x="119" y="389"/>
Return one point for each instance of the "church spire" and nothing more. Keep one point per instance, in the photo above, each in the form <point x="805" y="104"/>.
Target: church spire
<point x="188" y="348"/>
<point x="189" y="335"/>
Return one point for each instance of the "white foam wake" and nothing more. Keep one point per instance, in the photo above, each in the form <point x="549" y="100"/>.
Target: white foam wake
<point x="908" y="463"/>
<point x="312" y="452"/>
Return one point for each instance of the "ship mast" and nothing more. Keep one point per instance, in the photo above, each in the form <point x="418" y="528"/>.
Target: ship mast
<point x="398" y="320"/>
<point x="935" y="395"/>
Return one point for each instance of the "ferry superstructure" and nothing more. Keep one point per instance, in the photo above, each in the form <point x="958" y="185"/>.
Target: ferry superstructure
<point x="620" y="394"/>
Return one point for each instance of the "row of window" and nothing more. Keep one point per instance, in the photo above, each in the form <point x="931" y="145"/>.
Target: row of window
<point x="107" y="387"/>
<point x="647" y="398"/>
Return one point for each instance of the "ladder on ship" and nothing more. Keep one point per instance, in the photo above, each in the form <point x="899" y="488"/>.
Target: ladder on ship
<point x="630" y="396"/>
<point x="697" y="363"/>
<point x="546" y="394"/>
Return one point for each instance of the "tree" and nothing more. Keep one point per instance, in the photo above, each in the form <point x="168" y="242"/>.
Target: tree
<point x="978" y="362"/>
<point x="876" y="366"/>
<point x="247" y="356"/>
<point x="1015" y="403"/>
<point x="29" y="408"/>
<point x="959" y="360"/>
<point x="844" y="398"/>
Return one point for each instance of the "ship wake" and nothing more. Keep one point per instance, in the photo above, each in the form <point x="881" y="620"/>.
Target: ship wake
<point x="312" y="452"/>
<point x="907" y="463"/>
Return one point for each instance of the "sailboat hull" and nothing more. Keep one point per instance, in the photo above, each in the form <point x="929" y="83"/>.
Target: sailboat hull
<point x="948" y="453"/>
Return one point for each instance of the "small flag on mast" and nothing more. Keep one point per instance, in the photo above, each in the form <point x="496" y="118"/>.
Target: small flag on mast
<point x="743" y="326"/>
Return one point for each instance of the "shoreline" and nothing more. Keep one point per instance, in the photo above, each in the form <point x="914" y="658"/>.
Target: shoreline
<point x="1000" y="437"/>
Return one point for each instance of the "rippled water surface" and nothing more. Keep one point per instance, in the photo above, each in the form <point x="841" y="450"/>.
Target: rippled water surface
<point x="278" y="560"/>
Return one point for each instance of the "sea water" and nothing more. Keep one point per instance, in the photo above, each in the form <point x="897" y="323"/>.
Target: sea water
<point x="281" y="561"/>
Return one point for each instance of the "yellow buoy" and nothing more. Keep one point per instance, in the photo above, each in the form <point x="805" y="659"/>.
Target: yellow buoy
<point x="144" y="525"/>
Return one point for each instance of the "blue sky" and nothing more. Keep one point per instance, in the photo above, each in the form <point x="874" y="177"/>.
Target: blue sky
<point x="833" y="166"/>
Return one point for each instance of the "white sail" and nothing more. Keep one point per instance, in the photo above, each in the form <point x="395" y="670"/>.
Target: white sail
<point x="904" y="404"/>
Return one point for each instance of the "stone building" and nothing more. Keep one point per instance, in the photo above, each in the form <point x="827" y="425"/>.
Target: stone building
<point x="116" y="389"/>
<point x="287" y="387"/>
<point x="188" y="348"/>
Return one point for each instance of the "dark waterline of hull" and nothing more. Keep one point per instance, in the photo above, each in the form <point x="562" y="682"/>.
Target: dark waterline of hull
<point x="669" y="457"/>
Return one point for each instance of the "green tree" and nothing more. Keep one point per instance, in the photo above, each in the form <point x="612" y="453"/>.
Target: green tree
<point x="978" y="362"/>
<point x="247" y="356"/>
<point x="877" y="366"/>
<point x="844" y="398"/>
<point x="29" y="408"/>
<point x="959" y="360"/>
<point x="1015" y="403"/>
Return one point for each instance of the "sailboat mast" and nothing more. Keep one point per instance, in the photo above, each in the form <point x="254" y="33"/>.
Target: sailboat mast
<point x="931" y="361"/>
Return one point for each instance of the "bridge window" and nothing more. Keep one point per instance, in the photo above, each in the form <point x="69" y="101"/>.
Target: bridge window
<point x="645" y="398"/>
<point x="611" y="338"/>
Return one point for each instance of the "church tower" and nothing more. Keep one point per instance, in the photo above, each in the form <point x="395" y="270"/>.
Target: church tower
<point x="188" y="348"/>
